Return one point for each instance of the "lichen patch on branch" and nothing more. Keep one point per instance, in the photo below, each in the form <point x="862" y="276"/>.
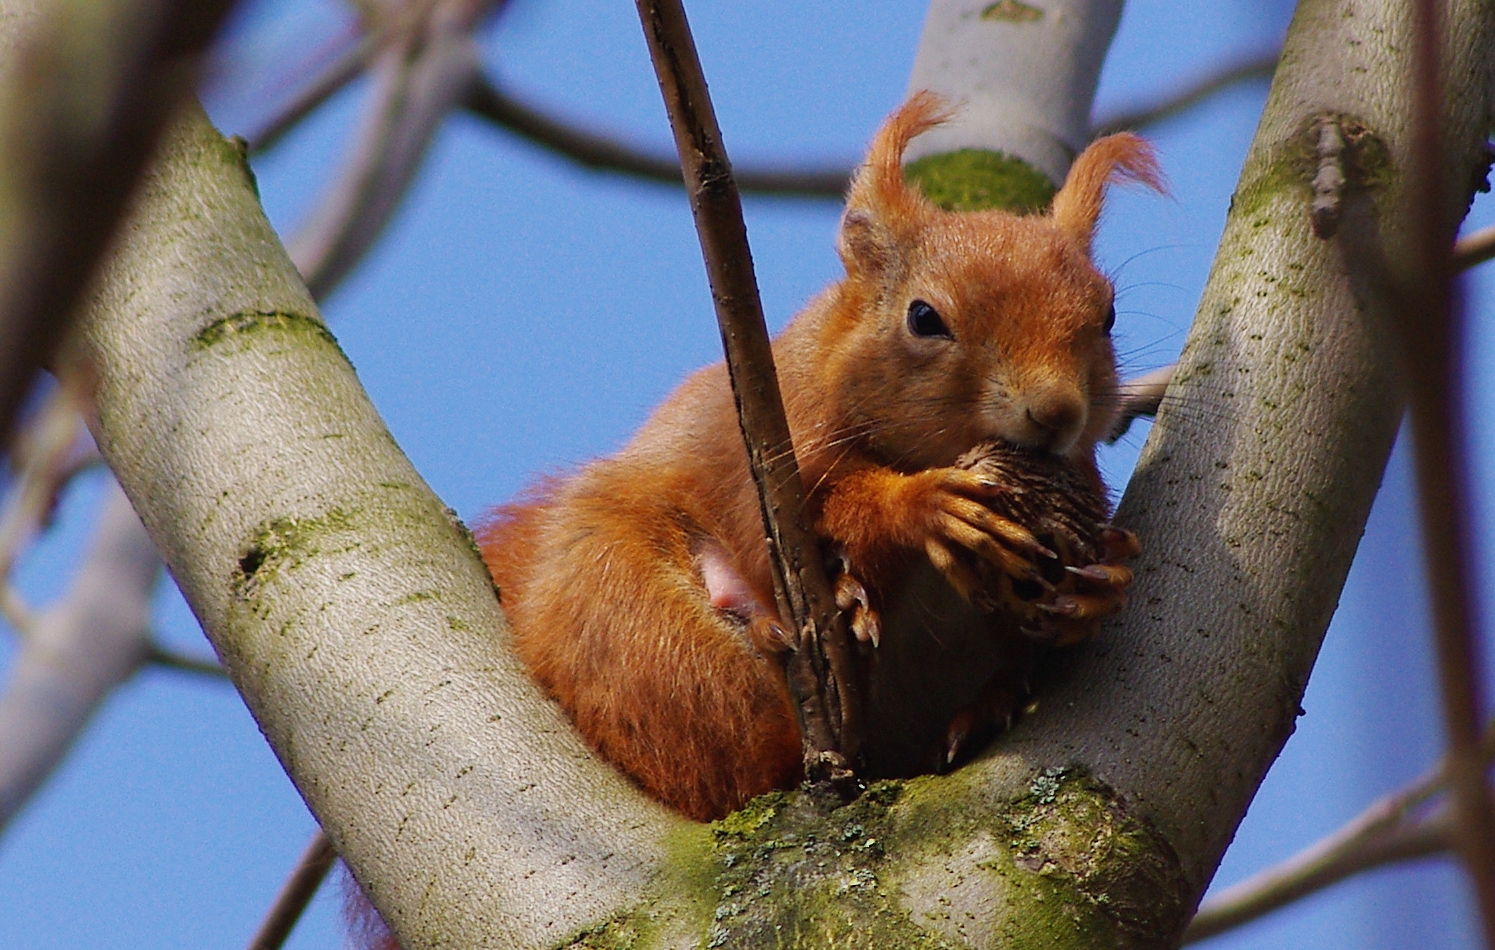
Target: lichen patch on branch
<point x="917" y="864"/>
<point x="283" y="544"/>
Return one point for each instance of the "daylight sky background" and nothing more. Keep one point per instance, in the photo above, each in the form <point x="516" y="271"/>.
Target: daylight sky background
<point x="523" y="315"/>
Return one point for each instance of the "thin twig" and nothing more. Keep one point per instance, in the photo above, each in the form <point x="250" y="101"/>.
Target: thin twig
<point x="1327" y="862"/>
<point x="594" y="150"/>
<point x="1390" y="829"/>
<point x="80" y="122"/>
<point x="1431" y="334"/>
<point x="334" y="76"/>
<point x="158" y="655"/>
<point x="1248" y="69"/>
<point x="590" y="149"/>
<point x="295" y="894"/>
<point x="1474" y="249"/>
<point x="821" y="676"/>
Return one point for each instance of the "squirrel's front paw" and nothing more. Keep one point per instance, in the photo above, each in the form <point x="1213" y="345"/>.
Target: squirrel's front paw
<point x="1098" y="591"/>
<point x="955" y="520"/>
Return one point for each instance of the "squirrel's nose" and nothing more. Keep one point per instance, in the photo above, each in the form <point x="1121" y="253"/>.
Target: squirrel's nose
<point x="1057" y="414"/>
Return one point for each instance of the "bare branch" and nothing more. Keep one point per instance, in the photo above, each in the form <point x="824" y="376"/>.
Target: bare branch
<point x="87" y="94"/>
<point x="327" y="83"/>
<point x="1349" y="851"/>
<point x="1474" y="249"/>
<point x="489" y="100"/>
<point x="419" y="76"/>
<point x="76" y="653"/>
<point x="158" y="655"/>
<point x="821" y="677"/>
<point x="1252" y="68"/>
<point x="1140" y="397"/>
<point x="1431" y="325"/>
<point x="295" y="894"/>
<point x="1389" y="830"/>
<point x="594" y="150"/>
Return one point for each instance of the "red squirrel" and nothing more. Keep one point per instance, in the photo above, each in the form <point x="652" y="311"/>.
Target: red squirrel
<point x="639" y="588"/>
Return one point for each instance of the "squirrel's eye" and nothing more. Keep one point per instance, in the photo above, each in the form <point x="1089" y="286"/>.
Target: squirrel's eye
<point x="923" y="320"/>
<point x="1110" y="319"/>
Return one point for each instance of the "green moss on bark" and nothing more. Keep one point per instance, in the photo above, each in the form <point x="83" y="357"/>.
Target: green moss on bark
<point x="974" y="179"/>
<point x="925" y="864"/>
<point x="1291" y="169"/>
<point x="283" y="544"/>
<point x="250" y="323"/>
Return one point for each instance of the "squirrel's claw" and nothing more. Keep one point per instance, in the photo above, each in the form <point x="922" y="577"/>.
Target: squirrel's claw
<point x="770" y="636"/>
<point x="975" y="724"/>
<point x="851" y="596"/>
<point x="1099" y="590"/>
<point x="1117" y="544"/>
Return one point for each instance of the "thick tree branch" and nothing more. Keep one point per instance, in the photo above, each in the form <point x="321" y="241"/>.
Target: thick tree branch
<point x="76" y="652"/>
<point x="86" y="92"/>
<point x="1249" y="520"/>
<point x="822" y="677"/>
<point x="350" y="609"/>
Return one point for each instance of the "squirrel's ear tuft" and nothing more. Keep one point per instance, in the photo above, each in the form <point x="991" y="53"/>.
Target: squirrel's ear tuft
<point x="1120" y="157"/>
<point x="880" y="204"/>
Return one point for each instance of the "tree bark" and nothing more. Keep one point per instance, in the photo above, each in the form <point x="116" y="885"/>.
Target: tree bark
<point x="358" y="622"/>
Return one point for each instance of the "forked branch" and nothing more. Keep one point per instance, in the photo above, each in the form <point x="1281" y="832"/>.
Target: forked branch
<point x="1393" y="828"/>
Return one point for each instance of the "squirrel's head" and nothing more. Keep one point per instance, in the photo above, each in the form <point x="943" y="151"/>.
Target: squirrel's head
<point x="956" y="328"/>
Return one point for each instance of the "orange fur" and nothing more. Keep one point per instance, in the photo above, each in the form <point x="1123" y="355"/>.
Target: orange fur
<point x="600" y="572"/>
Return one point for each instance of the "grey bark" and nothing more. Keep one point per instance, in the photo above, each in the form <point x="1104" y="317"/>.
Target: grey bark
<point x="347" y="603"/>
<point x="359" y="625"/>
<point x="94" y="639"/>
<point x="1254" y="486"/>
<point x="1023" y="74"/>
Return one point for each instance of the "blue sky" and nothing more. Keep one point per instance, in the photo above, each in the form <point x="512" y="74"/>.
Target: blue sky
<point x="523" y="315"/>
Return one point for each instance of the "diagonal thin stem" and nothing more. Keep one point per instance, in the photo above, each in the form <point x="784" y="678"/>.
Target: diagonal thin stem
<point x="821" y="676"/>
<point x="1247" y="69"/>
<point x="160" y="656"/>
<point x="295" y="894"/>
<point x="1474" y="249"/>
<point x="343" y="69"/>
<point x="1391" y="829"/>
<point x="594" y="150"/>
<point x="1432" y="333"/>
